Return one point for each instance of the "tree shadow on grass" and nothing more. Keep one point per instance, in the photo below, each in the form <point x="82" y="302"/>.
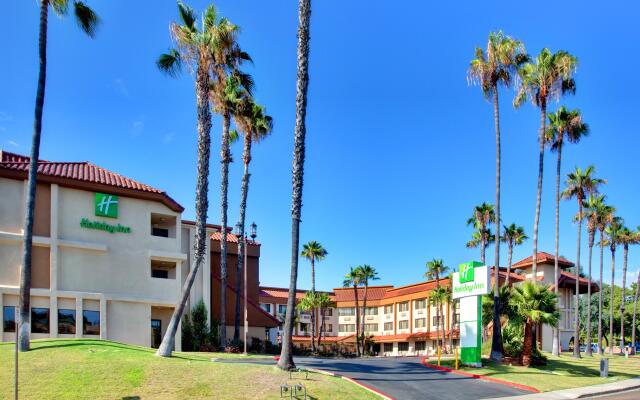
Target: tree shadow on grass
<point x="131" y="398"/>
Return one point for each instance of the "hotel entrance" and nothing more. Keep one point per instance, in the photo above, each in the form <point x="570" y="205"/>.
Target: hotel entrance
<point x="156" y="333"/>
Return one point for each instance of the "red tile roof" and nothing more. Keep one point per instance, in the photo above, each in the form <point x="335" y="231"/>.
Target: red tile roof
<point x="544" y="258"/>
<point x="415" y="288"/>
<point x="373" y="293"/>
<point x="325" y="339"/>
<point x="83" y="171"/>
<point x="283" y="293"/>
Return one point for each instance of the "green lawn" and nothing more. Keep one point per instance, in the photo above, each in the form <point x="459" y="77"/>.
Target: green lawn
<point x="560" y="372"/>
<point x="93" y="369"/>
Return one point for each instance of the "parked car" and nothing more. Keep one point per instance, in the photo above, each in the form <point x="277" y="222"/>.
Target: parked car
<point x="594" y="348"/>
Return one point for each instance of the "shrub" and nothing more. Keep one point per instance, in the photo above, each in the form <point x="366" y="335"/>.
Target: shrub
<point x="512" y="340"/>
<point x="196" y="333"/>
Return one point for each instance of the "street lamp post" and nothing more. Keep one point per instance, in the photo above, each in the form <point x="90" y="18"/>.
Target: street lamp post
<point x="243" y="238"/>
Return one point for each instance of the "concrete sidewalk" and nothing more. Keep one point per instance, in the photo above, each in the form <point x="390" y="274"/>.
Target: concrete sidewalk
<point x="581" y="392"/>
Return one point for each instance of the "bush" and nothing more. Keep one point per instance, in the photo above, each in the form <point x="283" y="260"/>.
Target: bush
<point x="196" y="333"/>
<point x="512" y="340"/>
<point x="234" y="346"/>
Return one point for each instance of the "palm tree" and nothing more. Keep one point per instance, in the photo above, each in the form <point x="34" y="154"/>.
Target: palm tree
<point x="88" y="22"/>
<point x="626" y="237"/>
<point x="483" y="215"/>
<point x="513" y="236"/>
<point x="436" y="298"/>
<point x="536" y="304"/>
<point x="635" y="309"/>
<point x="324" y="303"/>
<point x="613" y="232"/>
<point x="313" y="251"/>
<point x="435" y="269"/>
<point x="194" y="47"/>
<point x="302" y="83"/>
<point x="605" y="215"/>
<point x="255" y="124"/>
<point x="478" y="238"/>
<point x="580" y="184"/>
<point x="308" y="303"/>
<point x="448" y="298"/>
<point x="562" y="123"/>
<point x="367" y="273"/>
<point x="354" y="279"/>
<point x="549" y="77"/>
<point x="591" y="206"/>
<point x="503" y="56"/>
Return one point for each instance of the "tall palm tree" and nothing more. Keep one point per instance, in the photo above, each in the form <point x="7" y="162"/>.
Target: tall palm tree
<point x="88" y="21"/>
<point x="536" y="304"/>
<point x="252" y="120"/>
<point x="513" y="236"/>
<point x="354" y="279"/>
<point x="591" y="206"/>
<point x="613" y="232"/>
<point x="367" y="273"/>
<point x="580" y="184"/>
<point x="313" y="251"/>
<point x="635" y="309"/>
<point x="605" y="217"/>
<point x="503" y="56"/>
<point x="308" y="303"/>
<point x="437" y="297"/>
<point x="562" y="123"/>
<point x="193" y="47"/>
<point x="626" y="237"/>
<point x="549" y="77"/>
<point x="483" y="215"/>
<point x="324" y="303"/>
<point x="302" y="83"/>
<point x="436" y="269"/>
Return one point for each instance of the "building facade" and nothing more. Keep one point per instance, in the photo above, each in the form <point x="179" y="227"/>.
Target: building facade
<point x="110" y="256"/>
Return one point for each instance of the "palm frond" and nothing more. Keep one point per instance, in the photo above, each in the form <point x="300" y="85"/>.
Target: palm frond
<point x="60" y="7"/>
<point x="86" y="18"/>
<point x="187" y="16"/>
<point x="170" y="63"/>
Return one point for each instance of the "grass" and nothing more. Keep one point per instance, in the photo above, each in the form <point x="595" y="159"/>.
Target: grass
<point x="93" y="369"/>
<point x="562" y="372"/>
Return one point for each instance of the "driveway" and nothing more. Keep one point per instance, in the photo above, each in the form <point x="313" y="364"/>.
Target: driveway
<point x="405" y="378"/>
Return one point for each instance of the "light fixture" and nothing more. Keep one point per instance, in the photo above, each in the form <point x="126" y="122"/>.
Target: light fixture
<point x="253" y="231"/>
<point x="237" y="230"/>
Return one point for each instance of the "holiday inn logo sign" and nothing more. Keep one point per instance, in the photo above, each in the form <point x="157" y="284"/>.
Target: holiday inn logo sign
<point x="472" y="280"/>
<point x="106" y="205"/>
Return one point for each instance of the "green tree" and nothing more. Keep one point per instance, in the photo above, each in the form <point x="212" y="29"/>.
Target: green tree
<point x="309" y="303"/>
<point x="324" y="303"/>
<point x="563" y="125"/>
<point x="436" y="269"/>
<point x="194" y="47"/>
<point x="497" y="66"/>
<point x="548" y="77"/>
<point x="483" y="216"/>
<point x="605" y="215"/>
<point x="536" y="304"/>
<point x="437" y="297"/>
<point x="635" y="309"/>
<point x="626" y="237"/>
<point x="313" y="251"/>
<point x="367" y="273"/>
<point x="580" y="184"/>
<point x="302" y="83"/>
<point x="252" y="120"/>
<point x="613" y="232"/>
<point x="88" y="22"/>
<point x="513" y="236"/>
<point x="354" y="279"/>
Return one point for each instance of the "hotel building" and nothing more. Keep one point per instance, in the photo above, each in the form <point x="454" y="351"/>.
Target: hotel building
<point x="110" y="256"/>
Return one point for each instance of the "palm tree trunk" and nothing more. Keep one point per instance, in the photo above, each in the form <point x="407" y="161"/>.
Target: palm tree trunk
<point x="364" y="310"/>
<point x="527" y="346"/>
<point x="576" y="329"/>
<point x="624" y="282"/>
<point x="452" y="323"/>
<point x="496" y="340"/>
<point x="635" y="308"/>
<point x="588" y="310"/>
<point x="302" y="83"/>
<point x="24" y="322"/>
<point x="355" y="293"/>
<point x="509" y="259"/>
<point x="243" y="208"/>
<point x="202" y="204"/>
<point x="483" y="245"/>
<point x="600" y="350"/>
<point x="543" y="128"/>
<point x="224" y="187"/>
<point x="321" y="330"/>
<point x="313" y="310"/>
<point x="613" y="272"/>
<point x="555" y="349"/>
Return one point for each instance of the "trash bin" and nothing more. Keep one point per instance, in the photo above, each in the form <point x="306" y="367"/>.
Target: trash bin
<point x="604" y="367"/>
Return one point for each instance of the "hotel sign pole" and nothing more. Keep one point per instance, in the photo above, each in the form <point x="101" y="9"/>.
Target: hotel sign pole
<point x="469" y="285"/>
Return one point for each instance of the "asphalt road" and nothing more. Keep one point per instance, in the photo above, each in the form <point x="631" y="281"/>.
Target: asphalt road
<point x="407" y="379"/>
<point x="628" y="395"/>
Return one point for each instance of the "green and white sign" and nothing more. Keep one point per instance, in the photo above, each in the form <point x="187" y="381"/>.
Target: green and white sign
<point x="469" y="285"/>
<point x="106" y="205"/>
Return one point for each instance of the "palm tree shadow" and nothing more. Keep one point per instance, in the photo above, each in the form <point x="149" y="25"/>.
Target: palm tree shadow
<point x="131" y="398"/>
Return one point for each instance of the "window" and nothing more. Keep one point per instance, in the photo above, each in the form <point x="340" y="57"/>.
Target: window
<point x="403" y="346"/>
<point x="371" y="311"/>
<point x="328" y="312"/>
<point x="456" y="319"/>
<point x="328" y="328"/>
<point x="9" y="318"/>
<point x="388" y="326"/>
<point x="388" y="309"/>
<point x="90" y="322"/>
<point x="282" y="308"/>
<point x="345" y="328"/>
<point x="156" y="333"/>
<point x="418" y="304"/>
<point x="67" y="321"/>
<point x="346" y="311"/>
<point x="388" y="347"/>
<point x="266" y="307"/>
<point x="163" y="269"/>
<point x="420" y="323"/>
<point x="304" y="327"/>
<point x="403" y="324"/>
<point x="421" y="346"/>
<point x="436" y="320"/>
<point x="371" y="327"/>
<point x="403" y="306"/>
<point x="39" y="320"/>
<point x="163" y="225"/>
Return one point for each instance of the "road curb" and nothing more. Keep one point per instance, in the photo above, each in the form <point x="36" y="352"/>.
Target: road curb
<point x="481" y="377"/>
<point x="355" y="382"/>
<point x="583" y="392"/>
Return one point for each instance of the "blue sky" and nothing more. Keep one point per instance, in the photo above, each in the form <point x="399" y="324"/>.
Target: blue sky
<point x="399" y="147"/>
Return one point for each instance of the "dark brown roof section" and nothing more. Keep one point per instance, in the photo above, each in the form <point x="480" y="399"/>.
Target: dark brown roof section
<point x="544" y="258"/>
